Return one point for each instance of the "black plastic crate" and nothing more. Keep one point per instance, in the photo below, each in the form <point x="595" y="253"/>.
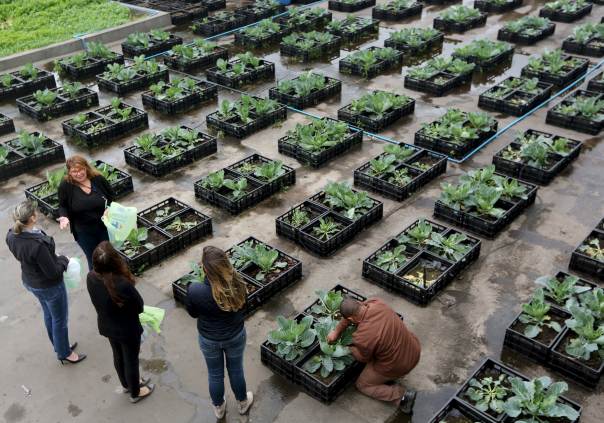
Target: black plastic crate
<point x="254" y="195"/>
<point x="593" y="47"/>
<point x="201" y="62"/>
<point x="432" y="43"/>
<point x="346" y="292"/>
<point x="348" y="67"/>
<point x="204" y="92"/>
<point x="577" y="122"/>
<point x="182" y="16"/>
<point x="385" y="14"/>
<point x="457" y="409"/>
<point x="22" y="86"/>
<point x="571" y="367"/>
<point x="154" y="47"/>
<point x="320" y="50"/>
<point x="265" y="71"/>
<point x="256" y="12"/>
<point x="560" y="16"/>
<point x="235" y="128"/>
<point x="506" y="104"/>
<point x="332" y="87"/>
<point x="505" y="56"/>
<point x="492" y="7"/>
<point x="558" y="80"/>
<point x="331" y="245"/>
<point x="63" y="105"/>
<point x="341" y="6"/>
<point x="288" y="178"/>
<point x="187" y="237"/>
<point x="6" y="125"/>
<point x="459" y="27"/>
<point x="92" y="67"/>
<point x="438" y="90"/>
<point x="596" y="84"/>
<point x="122" y="185"/>
<point x="361" y="222"/>
<point x="20" y="162"/>
<point x="381" y="276"/>
<point x="138" y="83"/>
<point x="528" y="39"/>
<point x="370" y="29"/>
<point x="216" y="25"/>
<point x="368" y="123"/>
<point x="314" y="23"/>
<point x="286" y="229"/>
<point x="250" y="42"/>
<point x="586" y="264"/>
<point x="213" y="5"/>
<point x="48" y="204"/>
<point x="147" y="258"/>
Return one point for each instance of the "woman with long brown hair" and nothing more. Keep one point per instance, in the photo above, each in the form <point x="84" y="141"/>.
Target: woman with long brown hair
<point x="118" y="304"/>
<point x="84" y="195"/>
<point x="218" y="306"/>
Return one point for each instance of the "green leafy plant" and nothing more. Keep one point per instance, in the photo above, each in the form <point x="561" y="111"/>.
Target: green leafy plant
<point x="291" y="339"/>
<point x="45" y="98"/>
<point x="328" y="305"/>
<point x="262" y="256"/>
<point x="413" y="37"/>
<point x="177" y="225"/>
<point x="299" y="218"/>
<point x="318" y="135"/>
<point x="535" y="315"/>
<point x="396" y="5"/>
<point x="214" y="180"/>
<point x="31" y="143"/>
<point x="197" y="275"/>
<point x="135" y="242"/>
<point x="459" y="13"/>
<point x="590" y="334"/>
<point x="378" y="103"/>
<point x="400" y="177"/>
<point x="401" y="151"/>
<point x="4" y="152"/>
<point x="303" y="84"/>
<point x="593" y="249"/>
<point x="528" y="25"/>
<point x="270" y="171"/>
<point x="561" y="291"/>
<point x="391" y="260"/>
<point x="332" y="357"/>
<point x="440" y="64"/>
<point x="53" y="180"/>
<point x="326" y="229"/>
<point x="482" y="49"/>
<point x="29" y="71"/>
<point x="452" y="247"/>
<point x="238" y="187"/>
<point x="6" y="80"/>
<point x="354" y="203"/>
<point x="418" y="235"/>
<point x="488" y="393"/>
<point x="382" y="165"/>
<point x="566" y="6"/>
<point x="72" y="89"/>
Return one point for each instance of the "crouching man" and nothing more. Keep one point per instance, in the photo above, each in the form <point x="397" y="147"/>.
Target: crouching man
<point x="384" y="343"/>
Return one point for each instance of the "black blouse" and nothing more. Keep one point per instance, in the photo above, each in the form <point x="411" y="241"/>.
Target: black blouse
<point x="84" y="210"/>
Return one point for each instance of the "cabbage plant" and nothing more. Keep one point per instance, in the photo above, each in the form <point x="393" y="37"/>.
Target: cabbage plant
<point x="291" y="338"/>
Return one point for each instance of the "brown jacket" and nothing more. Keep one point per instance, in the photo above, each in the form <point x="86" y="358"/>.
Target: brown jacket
<point x="381" y="337"/>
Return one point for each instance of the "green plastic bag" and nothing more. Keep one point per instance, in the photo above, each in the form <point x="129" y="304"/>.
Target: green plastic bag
<point x="73" y="274"/>
<point x="152" y="317"/>
<point x="119" y="220"/>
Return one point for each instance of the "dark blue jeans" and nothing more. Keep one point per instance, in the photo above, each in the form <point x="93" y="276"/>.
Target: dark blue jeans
<point x="54" y="306"/>
<point x="214" y="353"/>
<point x="89" y="239"/>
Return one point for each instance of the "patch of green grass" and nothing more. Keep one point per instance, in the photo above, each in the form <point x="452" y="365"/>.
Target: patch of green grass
<point x="29" y="24"/>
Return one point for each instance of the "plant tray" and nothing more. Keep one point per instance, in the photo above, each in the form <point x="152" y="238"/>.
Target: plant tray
<point x="348" y="67"/>
<point x="254" y="13"/>
<point x="181" y="11"/>
<point x="397" y="192"/>
<point x="155" y="47"/>
<point x="368" y="30"/>
<point x="372" y="123"/>
<point x="586" y="264"/>
<point x="22" y="87"/>
<point x="63" y="105"/>
<point x="342" y="6"/>
<point x="287" y="179"/>
<point x="432" y="43"/>
<point x="289" y="148"/>
<point x="492" y="62"/>
<point x="327" y="247"/>
<point x="443" y="146"/>
<point x="206" y="145"/>
<point x="577" y="123"/>
<point x="265" y="71"/>
<point x="245" y="40"/>
<point x="319" y="50"/>
<point x="214" y="5"/>
<point x="558" y="80"/>
<point x="19" y="162"/>
<point x="138" y="83"/>
<point x="396" y="15"/>
<point x="7" y="125"/>
<point x="286" y="229"/>
<point x="191" y="13"/>
<point x="596" y="84"/>
<point x="560" y="16"/>
<point x="532" y="348"/>
<point x="594" y="47"/>
<point x="91" y="67"/>
<point x="507" y="104"/>
<point x="438" y="89"/>
<point x="491" y="7"/>
<point x="332" y="88"/>
<point x="217" y="26"/>
<point x="201" y="62"/>
<point x="187" y="237"/>
<point x="314" y="23"/>
<point x="459" y="27"/>
<point x="206" y="92"/>
<point x="235" y="128"/>
<point x="454" y="408"/>
<point x="571" y="367"/>
<point x="520" y="38"/>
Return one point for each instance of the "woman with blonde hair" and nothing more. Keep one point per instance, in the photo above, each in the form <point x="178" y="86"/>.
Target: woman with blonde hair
<point x="84" y="195"/>
<point x="218" y="303"/>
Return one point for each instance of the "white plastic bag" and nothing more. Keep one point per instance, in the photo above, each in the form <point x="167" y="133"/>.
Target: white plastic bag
<point x="73" y="275"/>
<point x="119" y="220"/>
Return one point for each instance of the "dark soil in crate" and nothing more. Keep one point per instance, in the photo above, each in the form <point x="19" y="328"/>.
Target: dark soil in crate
<point x="265" y="71"/>
<point x="374" y="123"/>
<point x="593" y="47"/>
<point x="439" y="84"/>
<point x="341" y="6"/>
<point x="6" y="125"/>
<point x="162" y="211"/>
<point x="491" y="7"/>
<point x="332" y="87"/>
<point x="236" y="128"/>
<point x="577" y="122"/>
<point x="20" y="162"/>
<point x="154" y="47"/>
<point x="560" y="16"/>
<point x="586" y="372"/>
<point x="523" y="38"/>
<point x="396" y="15"/>
<point x="63" y="105"/>
<point x="217" y="26"/>
<point x="455" y="411"/>
<point x="348" y="67"/>
<point x="433" y="43"/>
<point x="286" y="179"/>
<point x="213" y="5"/>
<point x="317" y="51"/>
<point x="187" y="236"/>
<point x="204" y="92"/>
<point x="370" y="29"/>
<point x="22" y="86"/>
<point x="511" y="102"/>
<point x="223" y="198"/>
<point x="140" y="82"/>
<point x="198" y="63"/>
<point x="459" y="27"/>
<point x="91" y="67"/>
<point x="326" y="247"/>
<point x="581" y="262"/>
<point x="253" y="270"/>
<point x="284" y="224"/>
<point x="559" y="80"/>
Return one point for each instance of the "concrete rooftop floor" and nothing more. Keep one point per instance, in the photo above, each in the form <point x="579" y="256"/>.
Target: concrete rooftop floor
<point x="457" y="330"/>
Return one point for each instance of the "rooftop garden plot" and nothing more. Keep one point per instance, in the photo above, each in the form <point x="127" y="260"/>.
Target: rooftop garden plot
<point x="397" y="10"/>
<point x="354" y="29"/>
<point x="329" y="219"/>
<point x="198" y="55"/>
<point x="377" y="110"/>
<point x="415" y="40"/>
<point x="459" y="19"/>
<point x="319" y="141"/>
<point x="33" y="24"/>
<point x="246" y="116"/>
<point x="163" y="153"/>
<point x="565" y="10"/>
<point x="555" y="67"/>
<point x="298" y="19"/>
<point x="420" y="261"/>
<point x="350" y="6"/>
<point x="536" y="157"/>
<point x="88" y="63"/>
<point x="265" y="270"/>
<point x="497" y="6"/>
<point x="179" y="95"/>
<point x="142" y="73"/>
<point x="106" y="123"/>
<point x="485" y="53"/>
<point x="586" y="39"/>
<point x="307" y="46"/>
<point x="483" y="201"/>
<point x="564" y="289"/>
<point x="6" y="125"/>
<point x="260" y="9"/>
<point x="526" y="30"/>
<point x="440" y="75"/>
<point x="456" y="133"/>
<point x="515" y="96"/>
<point x="244" y="183"/>
<point x="244" y="69"/>
<point x="596" y="83"/>
<point x="45" y="193"/>
<point x="371" y="61"/>
<point x="25" y="81"/>
<point x="589" y="256"/>
<point x="29" y="151"/>
<point x="582" y="111"/>
<point x="219" y="22"/>
<point x="47" y="104"/>
<point x="306" y="90"/>
<point x="265" y="33"/>
<point x="400" y="171"/>
<point x="148" y="43"/>
<point x="162" y="230"/>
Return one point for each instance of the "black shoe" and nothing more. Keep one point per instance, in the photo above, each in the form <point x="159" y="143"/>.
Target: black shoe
<point x="81" y="357"/>
<point x="73" y="346"/>
<point x="406" y="404"/>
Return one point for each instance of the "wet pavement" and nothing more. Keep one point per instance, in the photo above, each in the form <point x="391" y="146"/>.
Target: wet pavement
<point x="457" y="330"/>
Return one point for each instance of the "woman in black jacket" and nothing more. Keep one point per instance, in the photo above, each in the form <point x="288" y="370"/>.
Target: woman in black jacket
<point x="118" y="304"/>
<point x="84" y="195"/>
<point x="42" y="275"/>
<point x="218" y="306"/>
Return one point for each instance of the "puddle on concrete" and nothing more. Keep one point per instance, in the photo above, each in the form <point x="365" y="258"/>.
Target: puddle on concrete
<point x="272" y="395"/>
<point x="154" y="365"/>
